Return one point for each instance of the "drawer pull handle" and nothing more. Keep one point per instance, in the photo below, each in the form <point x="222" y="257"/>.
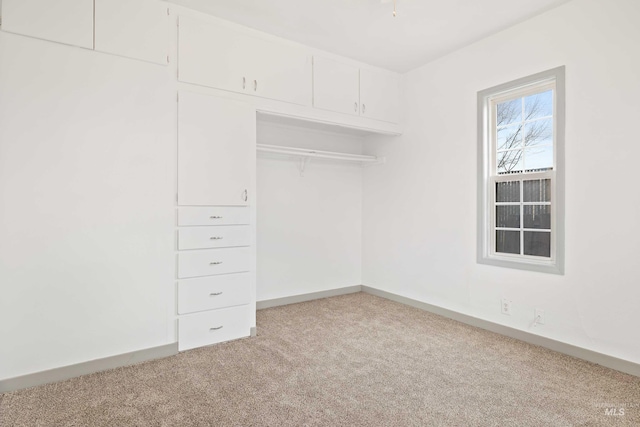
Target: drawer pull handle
<point x="215" y="294"/>
<point x="215" y="329"/>
<point x="215" y="263"/>
<point x="215" y="238"/>
<point x="215" y="217"/>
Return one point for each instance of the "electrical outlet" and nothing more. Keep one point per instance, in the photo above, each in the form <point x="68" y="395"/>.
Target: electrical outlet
<point x="538" y="316"/>
<point x="506" y="306"/>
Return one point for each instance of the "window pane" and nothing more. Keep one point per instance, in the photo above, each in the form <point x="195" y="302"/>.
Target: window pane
<point x="537" y="243"/>
<point x="508" y="242"/>
<point x="539" y="132"/>
<point x="509" y="112"/>
<point x="508" y="191"/>
<point x="510" y="137"/>
<point x="538" y="105"/>
<point x="538" y="158"/>
<point x="509" y="161"/>
<point x="537" y="190"/>
<point x="537" y="217"/>
<point x="508" y="216"/>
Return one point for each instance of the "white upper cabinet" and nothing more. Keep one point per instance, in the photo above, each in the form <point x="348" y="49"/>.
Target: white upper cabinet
<point x="379" y="95"/>
<point x="210" y="55"/>
<point x="132" y="28"/>
<point x="336" y="86"/>
<point x="216" y="150"/>
<point x="281" y="72"/>
<point x="63" y="21"/>
<point x="365" y="92"/>
<point x="252" y="65"/>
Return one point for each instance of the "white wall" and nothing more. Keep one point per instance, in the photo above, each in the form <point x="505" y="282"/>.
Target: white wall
<point x="420" y="208"/>
<point x="309" y="227"/>
<point x="87" y="187"/>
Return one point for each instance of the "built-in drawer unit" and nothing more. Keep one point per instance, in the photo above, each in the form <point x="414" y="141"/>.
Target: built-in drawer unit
<point x="222" y="236"/>
<point x="213" y="215"/>
<point x="210" y="262"/>
<point x="209" y="293"/>
<point x="213" y="326"/>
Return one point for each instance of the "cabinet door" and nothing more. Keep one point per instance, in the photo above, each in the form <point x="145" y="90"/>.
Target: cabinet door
<point x="213" y="55"/>
<point x="281" y="72"/>
<point x="379" y="95"/>
<point x="132" y="28"/>
<point x="216" y="150"/>
<point x="252" y="65"/>
<point x="336" y="86"/>
<point x="62" y="21"/>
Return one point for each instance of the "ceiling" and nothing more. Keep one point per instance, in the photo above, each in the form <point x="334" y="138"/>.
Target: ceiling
<point x="366" y="30"/>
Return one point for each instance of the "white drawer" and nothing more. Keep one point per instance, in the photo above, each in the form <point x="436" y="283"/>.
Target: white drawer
<point x="223" y="236"/>
<point x="213" y="215"/>
<point x="208" y="293"/>
<point x="211" y="327"/>
<point x="213" y="261"/>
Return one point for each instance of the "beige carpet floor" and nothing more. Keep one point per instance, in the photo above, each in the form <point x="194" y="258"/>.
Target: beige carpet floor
<point x="354" y="360"/>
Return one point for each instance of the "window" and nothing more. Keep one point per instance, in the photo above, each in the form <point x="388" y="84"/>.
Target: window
<point x="521" y="167"/>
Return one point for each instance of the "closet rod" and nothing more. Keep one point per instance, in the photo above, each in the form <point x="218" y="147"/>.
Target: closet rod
<point x="306" y="152"/>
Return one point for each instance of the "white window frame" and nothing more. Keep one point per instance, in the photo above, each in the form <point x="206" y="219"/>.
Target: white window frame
<point x="488" y="176"/>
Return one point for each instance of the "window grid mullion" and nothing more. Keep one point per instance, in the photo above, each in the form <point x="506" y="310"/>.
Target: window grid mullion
<point x="525" y="203"/>
<point x="521" y="203"/>
<point x="537" y="119"/>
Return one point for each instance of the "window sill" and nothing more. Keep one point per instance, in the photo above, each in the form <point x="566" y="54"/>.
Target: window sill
<point x="549" y="267"/>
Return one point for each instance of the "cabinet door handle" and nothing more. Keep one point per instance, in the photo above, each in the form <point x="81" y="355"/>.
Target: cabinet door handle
<point x="216" y="238"/>
<point x="355" y="107"/>
<point x="215" y="329"/>
<point x="255" y="85"/>
<point x="363" y="108"/>
<point x="215" y="263"/>
<point x="215" y="217"/>
<point x="246" y="195"/>
<point x="244" y="82"/>
<point x="215" y="294"/>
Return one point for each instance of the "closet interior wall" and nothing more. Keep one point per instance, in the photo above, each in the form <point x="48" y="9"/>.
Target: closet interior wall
<point x="309" y="225"/>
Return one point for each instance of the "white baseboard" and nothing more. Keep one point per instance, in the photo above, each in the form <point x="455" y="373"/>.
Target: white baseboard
<point x="559" y="346"/>
<point x="276" y="302"/>
<point x="90" y="367"/>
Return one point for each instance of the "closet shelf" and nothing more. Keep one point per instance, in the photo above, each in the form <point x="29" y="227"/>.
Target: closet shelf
<point x="307" y="152"/>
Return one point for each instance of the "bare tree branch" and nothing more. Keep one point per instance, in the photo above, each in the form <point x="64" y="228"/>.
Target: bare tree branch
<point x="511" y="113"/>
